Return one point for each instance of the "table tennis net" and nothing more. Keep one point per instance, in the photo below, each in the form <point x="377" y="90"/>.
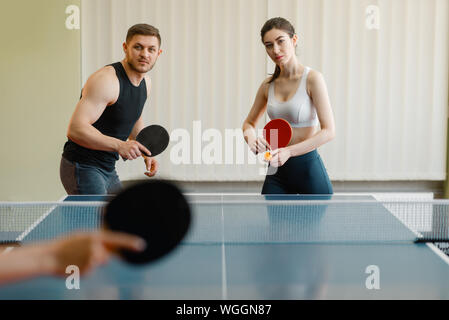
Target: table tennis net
<point x="234" y="222"/>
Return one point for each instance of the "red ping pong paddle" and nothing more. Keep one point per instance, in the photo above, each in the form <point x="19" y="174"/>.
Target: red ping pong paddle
<point x="155" y="138"/>
<point x="278" y="134"/>
<point x="156" y="211"/>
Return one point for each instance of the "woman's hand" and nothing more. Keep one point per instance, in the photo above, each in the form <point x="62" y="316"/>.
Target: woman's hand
<point x="259" y="145"/>
<point x="279" y="157"/>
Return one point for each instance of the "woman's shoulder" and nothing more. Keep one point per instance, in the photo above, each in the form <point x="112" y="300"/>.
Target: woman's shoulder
<point x="314" y="79"/>
<point x="314" y="76"/>
<point x="265" y="85"/>
<point x="267" y="81"/>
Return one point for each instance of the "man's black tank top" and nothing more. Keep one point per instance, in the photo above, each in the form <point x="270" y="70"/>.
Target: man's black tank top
<point x="116" y="121"/>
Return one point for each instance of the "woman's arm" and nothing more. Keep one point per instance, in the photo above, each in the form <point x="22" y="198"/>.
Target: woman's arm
<point x="258" y="109"/>
<point x="319" y="95"/>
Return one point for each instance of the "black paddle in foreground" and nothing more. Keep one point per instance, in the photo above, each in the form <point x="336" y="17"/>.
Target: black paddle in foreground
<point x="157" y="211"/>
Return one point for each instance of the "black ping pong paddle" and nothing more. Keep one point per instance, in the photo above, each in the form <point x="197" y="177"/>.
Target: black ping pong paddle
<point x="156" y="211"/>
<point x="155" y="138"/>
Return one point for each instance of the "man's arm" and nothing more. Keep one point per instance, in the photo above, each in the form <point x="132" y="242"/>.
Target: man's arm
<point x="85" y="250"/>
<point x="101" y="89"/>
<point x="140" y="124"/>
<point x="136" y="129"/>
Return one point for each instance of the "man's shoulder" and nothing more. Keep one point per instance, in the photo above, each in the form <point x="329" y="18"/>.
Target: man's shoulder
<point x="105" y="75"/>
<point x="106" y="72"/>
<point x="103" y="82"/>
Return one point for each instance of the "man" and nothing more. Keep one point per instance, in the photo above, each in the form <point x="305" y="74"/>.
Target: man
<point x="108" y="118"/>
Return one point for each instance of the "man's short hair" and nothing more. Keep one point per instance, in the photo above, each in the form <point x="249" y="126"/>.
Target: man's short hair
<point x="143" y="29"/>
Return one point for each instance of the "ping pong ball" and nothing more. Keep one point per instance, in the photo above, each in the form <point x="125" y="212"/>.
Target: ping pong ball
<point x="268" y="156"/>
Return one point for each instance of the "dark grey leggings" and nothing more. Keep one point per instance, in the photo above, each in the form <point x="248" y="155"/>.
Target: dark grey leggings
<point x="304" y="174"/>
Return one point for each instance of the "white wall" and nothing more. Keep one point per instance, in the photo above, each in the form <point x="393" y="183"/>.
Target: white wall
<point x="388" y="86"/>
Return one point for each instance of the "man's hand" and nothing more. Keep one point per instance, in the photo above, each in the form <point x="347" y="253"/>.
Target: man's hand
<point x="132" y="149"/>
<point x="151" y="165"/>
<point x="86" y="250"/>
<point x="89" y="250"/>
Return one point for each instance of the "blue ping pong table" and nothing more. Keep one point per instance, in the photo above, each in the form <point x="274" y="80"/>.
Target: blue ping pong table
<point x="255" y="247"/>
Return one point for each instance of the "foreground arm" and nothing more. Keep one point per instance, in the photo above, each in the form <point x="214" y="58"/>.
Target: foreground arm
<point x="84" y="250"/>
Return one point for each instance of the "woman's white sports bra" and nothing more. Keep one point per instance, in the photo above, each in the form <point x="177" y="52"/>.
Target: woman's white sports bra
<point x="299" y="111"/>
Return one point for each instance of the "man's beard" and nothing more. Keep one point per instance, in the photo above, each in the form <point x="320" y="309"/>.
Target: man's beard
<point x="137" y="70"/>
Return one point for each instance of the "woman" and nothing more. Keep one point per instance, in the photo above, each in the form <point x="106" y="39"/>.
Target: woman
<point x="299" y="95"/>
